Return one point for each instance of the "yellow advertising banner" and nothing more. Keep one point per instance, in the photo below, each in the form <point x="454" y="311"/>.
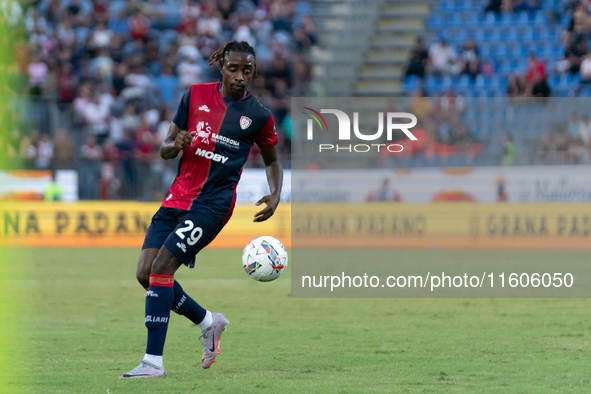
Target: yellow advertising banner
<point x="118" y="224"/>
<point x="375" y="225"/>
<point x="442" y="225"/>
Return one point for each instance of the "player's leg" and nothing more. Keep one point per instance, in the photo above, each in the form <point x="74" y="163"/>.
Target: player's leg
<point x="159" y="299"/>
<point x="144" y="266"/>
<point x="196" y="233"/>
<point x="162" y="225"/>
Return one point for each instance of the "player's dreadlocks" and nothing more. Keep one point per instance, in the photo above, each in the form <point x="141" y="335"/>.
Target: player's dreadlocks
<point x="233" y="46"/>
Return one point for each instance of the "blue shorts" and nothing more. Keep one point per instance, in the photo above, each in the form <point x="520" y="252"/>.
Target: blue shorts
<point x="184" y="233"/>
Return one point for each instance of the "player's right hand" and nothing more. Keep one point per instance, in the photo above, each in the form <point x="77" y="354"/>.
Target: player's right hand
<point x="183" y="139"/>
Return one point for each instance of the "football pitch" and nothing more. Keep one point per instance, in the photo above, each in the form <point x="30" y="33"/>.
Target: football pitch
<point x="81" y="326"/>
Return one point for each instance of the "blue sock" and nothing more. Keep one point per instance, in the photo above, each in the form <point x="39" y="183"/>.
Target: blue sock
<point x="158" y="303"/>
<point x="186" y="306"/>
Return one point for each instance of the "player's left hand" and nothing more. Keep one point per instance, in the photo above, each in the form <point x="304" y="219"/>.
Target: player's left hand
<point x="272" y="203"/>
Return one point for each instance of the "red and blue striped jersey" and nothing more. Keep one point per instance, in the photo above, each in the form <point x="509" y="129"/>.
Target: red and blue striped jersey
<point x="209" y="169"/>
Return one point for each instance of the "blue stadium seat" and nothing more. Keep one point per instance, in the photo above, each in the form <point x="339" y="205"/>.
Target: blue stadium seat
<point x="485" y="50"/>
<point x="540" y="18"/>
<point x="480" y="82"/>
<point x="501" y="49"/>
<point x="411" y="83"/>
<point x="447" y="5"/>
<point x="463" y="82"/>
<point x="522" y="18"/>
<point x="527" y="33"/>
<point x="436" y="20"/>
<point x="511" y="33"/>
<point x="489" y="19"/>
<point x="446" y="83"/>
<point x="543" y="33"/>
<point x="506" y="19"/>
<point x="473" y="19"/>
<point x="455" y="20"/>
<point x="430" y="82"/>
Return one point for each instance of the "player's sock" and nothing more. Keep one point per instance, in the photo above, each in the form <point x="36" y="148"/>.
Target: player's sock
<point x="207" y="322"/>
<point x="184" y="305"/>
<point x="155" y="360"/>
<point x="158" y="304"/>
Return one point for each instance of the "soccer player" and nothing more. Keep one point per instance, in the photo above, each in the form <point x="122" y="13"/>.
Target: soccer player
<point x="215" y="126"/>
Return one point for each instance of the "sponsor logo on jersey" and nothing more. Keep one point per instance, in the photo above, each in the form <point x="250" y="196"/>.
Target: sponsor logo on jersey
<point x="211" y="156"/>
<point x="229" y="142"/>
<point x="151" y="293"/>
<point x="245" y="122"/>
<point x="203" y="132"/>
<point x="156" y="319"/>
<point x="204" y="108"/>
<point x="182" y="247"/>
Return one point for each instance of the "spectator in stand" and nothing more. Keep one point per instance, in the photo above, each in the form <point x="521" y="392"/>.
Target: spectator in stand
<point x="138" y="25"/>
<point x="67" y="82"/>
<point x="585" y="130"/>
<point x="64" y="152"/>
<point x="91" y="155"/>
<point x="517" y="86"/>
<point x="101" y="38"/>
<point x="44" y="153"/>
<point x="581" y="21"/>
<point x="418" y="59"/>
<point x="110" y="184"/>
<point x="508" y="151"/>
<point x="586" y="69"/>
<point x="494" y="6"/>
<point x="37" y="73"/>
<point x="96" y="114"/>
<point x="536" y="78"/>
<point x="470" y="60"/>
<point x="573" y="124"/>
<point x="144" y="153"/>
<point x="546" y="153"/>
<point x="573" y="56"/>
<point x="189" y="72"/>
<point x="443" y="60"/>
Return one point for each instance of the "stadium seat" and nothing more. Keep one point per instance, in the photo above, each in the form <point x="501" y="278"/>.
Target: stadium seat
<point x="506" y="19"/>
<point x="411" y="83"/>
<point x="436" y="20"/>
<point x="522" y="18"/>
<point x="501" y="49"/>
<point x="527" y="33"/>
<point x="464" y="82"/>
<point x="540" y="18"/>
<point x="489" y="19"/>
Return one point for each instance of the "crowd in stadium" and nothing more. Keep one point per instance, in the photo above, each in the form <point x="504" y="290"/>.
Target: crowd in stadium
<point x="524" y="59"/>
<point x="118" y="69"/>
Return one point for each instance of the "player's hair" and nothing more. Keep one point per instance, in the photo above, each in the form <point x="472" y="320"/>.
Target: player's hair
<point x="233" y="46"/>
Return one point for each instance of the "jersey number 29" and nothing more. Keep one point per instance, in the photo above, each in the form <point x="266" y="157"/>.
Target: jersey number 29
<point x="195" y="234"/>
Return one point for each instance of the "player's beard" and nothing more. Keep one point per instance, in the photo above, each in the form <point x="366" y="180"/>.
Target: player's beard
<point x="237" y="94"/>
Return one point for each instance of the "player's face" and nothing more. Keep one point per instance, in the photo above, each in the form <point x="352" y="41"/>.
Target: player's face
<point x="237" y="70"/>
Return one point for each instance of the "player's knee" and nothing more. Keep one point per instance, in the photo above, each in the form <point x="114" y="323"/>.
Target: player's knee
<point x="143" y="278"/>
<point x="164" y="263"/>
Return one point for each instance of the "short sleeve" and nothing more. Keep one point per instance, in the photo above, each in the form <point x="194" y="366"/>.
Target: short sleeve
<point x="267" y="137"/>
<point x="181" y="119"/>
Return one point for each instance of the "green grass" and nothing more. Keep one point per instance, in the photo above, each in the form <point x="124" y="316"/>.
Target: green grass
<point x="85" y="328"/>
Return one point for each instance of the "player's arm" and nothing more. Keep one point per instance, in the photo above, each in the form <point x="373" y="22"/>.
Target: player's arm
<point x="176" y="140"/>
<point x="275" y="178"/>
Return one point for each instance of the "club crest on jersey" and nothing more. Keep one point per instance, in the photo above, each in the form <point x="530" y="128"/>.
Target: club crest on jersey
<point x="203" y="132"/>
<point x="245" y="122"/>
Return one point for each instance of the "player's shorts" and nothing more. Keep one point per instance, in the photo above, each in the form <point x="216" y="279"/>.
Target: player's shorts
<point x="184" y="233"/>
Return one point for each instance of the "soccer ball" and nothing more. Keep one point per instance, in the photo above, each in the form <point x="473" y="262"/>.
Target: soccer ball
<point x="264" y="259"/>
